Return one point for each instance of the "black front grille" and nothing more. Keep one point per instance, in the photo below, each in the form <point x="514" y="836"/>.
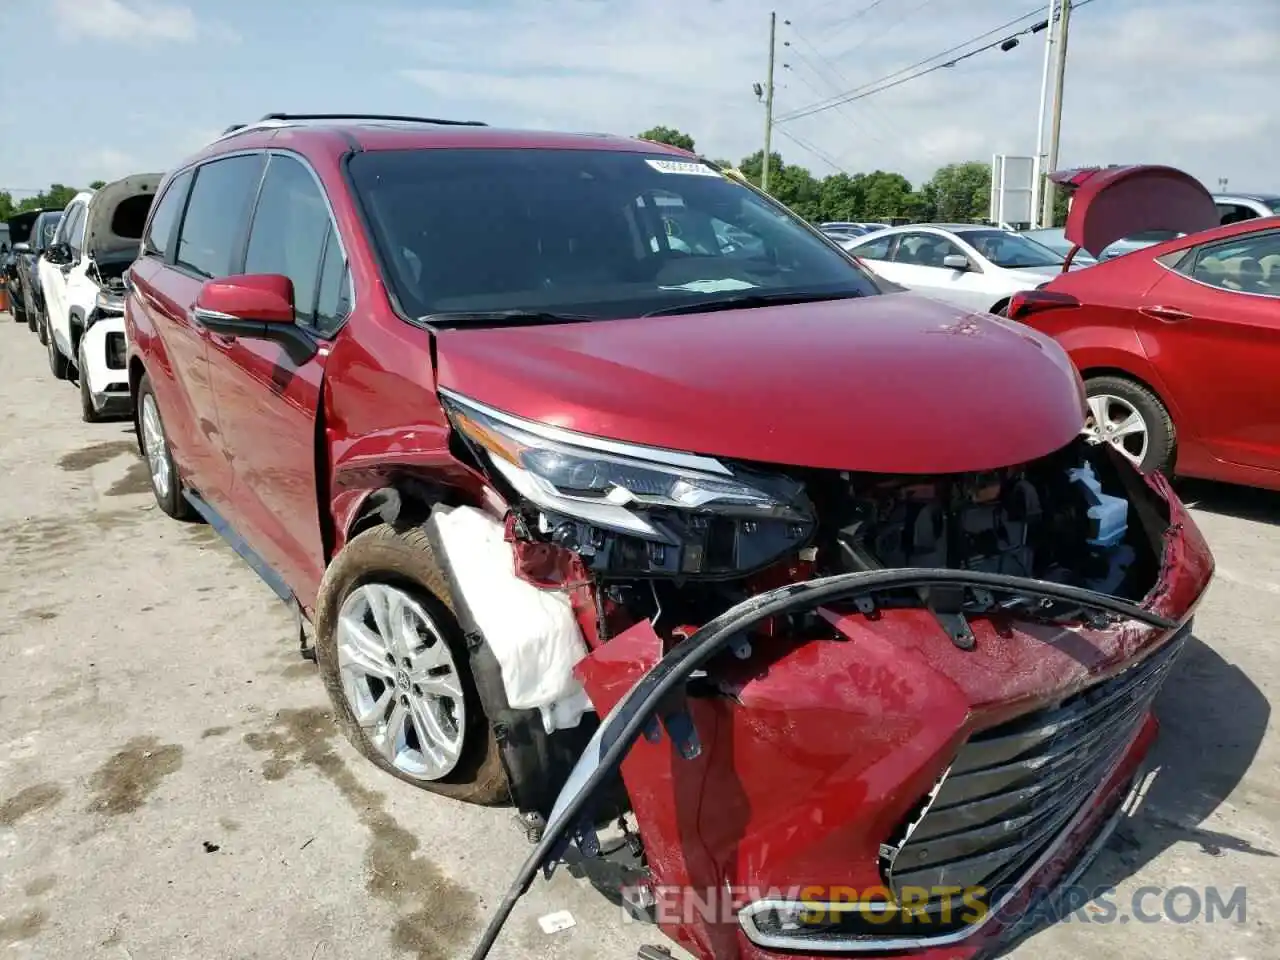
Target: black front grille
<point x="115" y="351"/>
<point x="1013" y="788"/>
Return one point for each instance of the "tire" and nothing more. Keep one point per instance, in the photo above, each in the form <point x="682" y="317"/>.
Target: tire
<point x="42" y="325"/>
<point x="404" y="561"/>
<point x="59" y="365"/>
<point x="1161" y="436"/>
<point x="87" y="413"/>
<point x="169" y="498"/>
<point x="33" y="320"/>
<point x="1001" y="309"/>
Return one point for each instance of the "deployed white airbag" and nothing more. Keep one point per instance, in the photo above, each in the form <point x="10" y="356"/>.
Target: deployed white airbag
<point x="532" y="632"/>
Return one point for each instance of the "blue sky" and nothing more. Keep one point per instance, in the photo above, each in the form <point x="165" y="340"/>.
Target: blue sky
<point x="102" y="88"/>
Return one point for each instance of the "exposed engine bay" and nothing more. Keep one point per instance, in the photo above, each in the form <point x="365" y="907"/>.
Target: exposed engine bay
<point x="1051" y="520"/>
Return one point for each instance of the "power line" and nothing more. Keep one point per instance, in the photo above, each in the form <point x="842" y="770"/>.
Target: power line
<point x="897" y="77"/>
<point x="888" y="29"/>
<point x="841" y="25"/>
<point x="827" y="158"/>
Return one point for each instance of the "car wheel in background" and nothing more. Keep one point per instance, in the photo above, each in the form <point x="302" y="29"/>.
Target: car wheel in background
<point x="33" y="320"/>
<point x="154" y="445"/>
<point x="42" y="324"/>
<point x="1132" y="419"/>
<point x="396" y="667"/>
<point x="59" y="366"/>
<point x="87" y="412"/>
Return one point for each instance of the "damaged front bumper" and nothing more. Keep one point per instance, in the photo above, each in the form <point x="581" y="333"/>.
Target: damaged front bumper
<point x="876" y="762"/>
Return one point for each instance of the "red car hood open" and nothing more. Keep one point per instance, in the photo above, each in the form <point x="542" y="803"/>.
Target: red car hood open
<point x="889" y="384"/>
<point x="1111" y="203"/>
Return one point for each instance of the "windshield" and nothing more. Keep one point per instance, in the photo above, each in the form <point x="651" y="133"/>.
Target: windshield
<point x="1011" y="250"/>
<point x="590" y="233"/>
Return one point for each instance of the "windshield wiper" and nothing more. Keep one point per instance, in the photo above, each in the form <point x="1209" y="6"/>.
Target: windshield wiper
<point x="501" y="318"/>
<point x="747" y="301"/>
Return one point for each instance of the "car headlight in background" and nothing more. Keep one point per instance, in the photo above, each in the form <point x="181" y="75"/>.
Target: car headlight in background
<point x="108" y="303"/>
<point x="694" y="514"/>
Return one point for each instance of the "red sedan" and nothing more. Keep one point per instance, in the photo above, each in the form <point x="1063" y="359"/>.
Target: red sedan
<point x="1178" y="343"/>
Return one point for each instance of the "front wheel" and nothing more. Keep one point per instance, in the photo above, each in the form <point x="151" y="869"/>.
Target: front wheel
<point x="396" y="667"/>
<point x="1129" y="417"/>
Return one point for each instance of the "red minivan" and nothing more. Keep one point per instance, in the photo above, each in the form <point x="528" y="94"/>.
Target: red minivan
<point x="576" y="455"/>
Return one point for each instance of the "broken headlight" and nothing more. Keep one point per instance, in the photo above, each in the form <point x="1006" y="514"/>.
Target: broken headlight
<point x="678" y="513"/>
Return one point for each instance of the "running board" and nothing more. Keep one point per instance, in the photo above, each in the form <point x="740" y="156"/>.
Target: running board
<point x="238" y="544"/>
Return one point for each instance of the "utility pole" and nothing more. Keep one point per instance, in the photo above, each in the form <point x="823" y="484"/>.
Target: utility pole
<point x="1055" y="133"/>
<point x="1038" y="172"/>
<point x="768" y="106"/>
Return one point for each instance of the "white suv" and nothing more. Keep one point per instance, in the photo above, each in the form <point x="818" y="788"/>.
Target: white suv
<point x="82" y="277"/>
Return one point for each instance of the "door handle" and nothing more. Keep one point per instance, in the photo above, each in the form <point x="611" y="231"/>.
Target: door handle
<point x="1165" y="314"/>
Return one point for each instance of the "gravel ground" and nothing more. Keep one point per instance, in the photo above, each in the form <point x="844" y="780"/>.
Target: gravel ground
<point x="171" y="785"/>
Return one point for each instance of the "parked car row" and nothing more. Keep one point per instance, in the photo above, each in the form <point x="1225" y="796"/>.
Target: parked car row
<point x="1175" y="325"/>
<point x="70" y="287"/>
<point x="567" y="449"/>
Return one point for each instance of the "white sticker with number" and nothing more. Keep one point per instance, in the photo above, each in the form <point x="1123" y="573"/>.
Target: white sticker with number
<point x="688" y="168"/>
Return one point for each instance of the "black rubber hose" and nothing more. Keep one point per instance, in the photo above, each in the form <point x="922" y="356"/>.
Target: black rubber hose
<point x="628" y="718"/>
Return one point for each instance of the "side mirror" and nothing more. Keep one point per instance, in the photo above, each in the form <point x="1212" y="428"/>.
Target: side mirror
<point x="22" y="248"/>
<point x="256" y="306"/>
<point x="58" y="254"/>
<point x="955" y="261"/>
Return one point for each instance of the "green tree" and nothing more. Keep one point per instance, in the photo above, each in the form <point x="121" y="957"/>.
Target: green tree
<point x="753" y="166"/>
<point x="670" y="136"/>
<point x="97" y="184"/>
<point x="55" y="198"/>
<point x="960" y="192"/>
<point x="7" y="207"/>
<point x="1059" y="208"/>
<point x="842" y="197"/>
<point x="888" y="195"/>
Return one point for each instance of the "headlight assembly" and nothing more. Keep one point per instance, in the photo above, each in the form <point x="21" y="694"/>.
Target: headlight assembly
<point x="694" y="514"/>
<point x="108" y="303"/>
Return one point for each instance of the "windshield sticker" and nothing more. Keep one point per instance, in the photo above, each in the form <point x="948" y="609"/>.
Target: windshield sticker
<point x="686" y="167"/>
<point x="713" y="286"/>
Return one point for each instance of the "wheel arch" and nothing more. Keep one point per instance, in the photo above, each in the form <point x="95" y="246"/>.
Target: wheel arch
<point x="1000" y="304"/>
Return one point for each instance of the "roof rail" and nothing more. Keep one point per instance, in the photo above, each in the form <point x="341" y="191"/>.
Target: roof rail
<point x="372" y="116"/>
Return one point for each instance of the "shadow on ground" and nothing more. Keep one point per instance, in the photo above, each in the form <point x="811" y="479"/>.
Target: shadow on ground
<point x="1230" y="500"/>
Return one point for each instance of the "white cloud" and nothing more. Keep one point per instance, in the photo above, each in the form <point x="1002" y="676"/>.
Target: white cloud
<point x="135" y="22"/>
<point x="1172" y="81"/>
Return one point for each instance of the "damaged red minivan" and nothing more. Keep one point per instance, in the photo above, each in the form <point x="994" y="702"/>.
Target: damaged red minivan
<point x="583" y="458"/>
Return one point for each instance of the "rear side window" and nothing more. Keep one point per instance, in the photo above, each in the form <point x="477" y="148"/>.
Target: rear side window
<point x="166" y="216"/>
<point x="1249" y="264"/>
<point x="289" y="230"/>
<point x="213" y="226"/>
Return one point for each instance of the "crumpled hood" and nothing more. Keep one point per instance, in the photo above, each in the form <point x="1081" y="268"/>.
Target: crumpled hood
<point x="891" y="384"/>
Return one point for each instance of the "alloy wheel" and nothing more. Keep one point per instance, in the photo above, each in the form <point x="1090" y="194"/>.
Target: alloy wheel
<point x="154" y="445"/>
<point x="1116" y="421"/>
<point x="400" y="681"/>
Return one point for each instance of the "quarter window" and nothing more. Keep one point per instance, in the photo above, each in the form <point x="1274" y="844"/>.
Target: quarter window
<point x="75" y="231"/>
<point x="165" y="218"/>
<point x="334" y="297"/>
<point x="874" y="249"/>
<point x="289" y="230"/>
<point x="219" y="204"/>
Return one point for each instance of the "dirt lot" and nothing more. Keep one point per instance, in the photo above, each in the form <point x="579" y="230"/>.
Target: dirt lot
<point x="171" y="786"/>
